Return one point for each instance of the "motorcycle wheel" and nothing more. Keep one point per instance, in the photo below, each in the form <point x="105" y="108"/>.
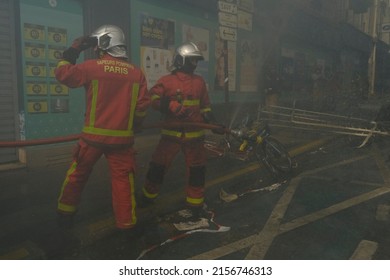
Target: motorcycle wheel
<point x="275" y="157"/>
<point x="216" y="147"/>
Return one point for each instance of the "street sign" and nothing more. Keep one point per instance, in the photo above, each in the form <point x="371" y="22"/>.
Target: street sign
<point x="385" y="27"/>
<point x="246" y="5"/>
<point x="227" y="7"/>
<point x="227" y="33"/>
<point x="226" y="19"/>
<point x="244" y="20"/>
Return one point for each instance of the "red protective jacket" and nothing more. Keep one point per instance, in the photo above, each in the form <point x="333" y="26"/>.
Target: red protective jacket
<point x="116" y="94"/>
<point x="188" y="89"/>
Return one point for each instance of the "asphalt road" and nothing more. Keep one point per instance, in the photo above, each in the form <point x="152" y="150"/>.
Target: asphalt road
<point x="335" y="206"/>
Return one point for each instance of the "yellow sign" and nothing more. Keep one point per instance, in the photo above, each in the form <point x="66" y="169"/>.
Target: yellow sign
<point x="37" y="106"/>
<point x="55" y="52"/>
<point x="32" y="50"/>
<point x="57" y="35"/>
<point x="58" y="89"/>
<point x="34" y="32"/>
<point x="36" y="88"/>
<point x="35" y="69"/>
<point x="52" y="68"/>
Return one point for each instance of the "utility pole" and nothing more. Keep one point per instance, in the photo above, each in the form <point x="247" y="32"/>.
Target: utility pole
<point x="372" y="59"/>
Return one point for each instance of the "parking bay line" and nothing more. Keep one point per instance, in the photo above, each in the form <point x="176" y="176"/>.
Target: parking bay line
<point x="261" y="241"/>
<point x="365" y="250"/>
<point x="265" y="237"/>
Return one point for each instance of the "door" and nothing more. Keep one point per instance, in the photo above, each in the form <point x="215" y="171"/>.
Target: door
<point x="8" y="81"/>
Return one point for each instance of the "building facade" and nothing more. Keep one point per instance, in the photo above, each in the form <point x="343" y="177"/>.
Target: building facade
<point x="237" y="38"/>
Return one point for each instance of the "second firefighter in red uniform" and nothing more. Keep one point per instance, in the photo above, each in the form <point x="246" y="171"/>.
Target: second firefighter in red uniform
<point x="180" y="96"/>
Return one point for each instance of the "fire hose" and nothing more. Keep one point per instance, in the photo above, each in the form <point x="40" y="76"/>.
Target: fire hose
<point x="73" y="137"/>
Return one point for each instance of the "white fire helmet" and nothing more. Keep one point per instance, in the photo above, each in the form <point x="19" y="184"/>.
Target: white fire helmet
<point x="110" y="38"/>
<point x="186" y="50"/>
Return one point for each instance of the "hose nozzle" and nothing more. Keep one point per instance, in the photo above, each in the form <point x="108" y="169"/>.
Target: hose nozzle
<point x="236" y="133"/>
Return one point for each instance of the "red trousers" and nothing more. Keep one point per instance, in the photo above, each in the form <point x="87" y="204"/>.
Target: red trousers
<point x="121" y="163"/>
<point x="195" y="159"/>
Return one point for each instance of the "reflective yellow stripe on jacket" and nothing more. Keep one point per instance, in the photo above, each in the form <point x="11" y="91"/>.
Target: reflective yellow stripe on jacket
<point x="155" y="97"/>
<point x="188" y="102"/>
<point x="91" y="129"/>
<point x="204" y="110"/>
<point x="179" y="134"/>
<point x="62" y="62"/>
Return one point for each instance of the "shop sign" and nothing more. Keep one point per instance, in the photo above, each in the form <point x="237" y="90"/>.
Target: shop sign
<point x="244" y="20"/>
<point x="229" y="20"/>
<point x="227" y="7"/>
<point x="385" y="27"/>
<point x="227" y="33"/>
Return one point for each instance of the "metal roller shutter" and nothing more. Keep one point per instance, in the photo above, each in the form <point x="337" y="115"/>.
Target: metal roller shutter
<point x="8" y="83"/>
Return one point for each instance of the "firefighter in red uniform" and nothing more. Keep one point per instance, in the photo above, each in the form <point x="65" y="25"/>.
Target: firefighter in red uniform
<point x="181" y="96"/>
<point x="116" y="102"/>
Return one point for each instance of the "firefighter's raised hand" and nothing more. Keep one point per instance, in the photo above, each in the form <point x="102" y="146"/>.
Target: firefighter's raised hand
<point x="79" y="44"/>
<point x="82" y="43"/>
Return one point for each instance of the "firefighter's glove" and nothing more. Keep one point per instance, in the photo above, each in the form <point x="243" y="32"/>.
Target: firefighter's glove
<point x="82" y="43"/>
<point x="221" y="129"/>
<point x="164" y="104"/>
<point x="178" y="109"/>
<point x="70" y="55"/>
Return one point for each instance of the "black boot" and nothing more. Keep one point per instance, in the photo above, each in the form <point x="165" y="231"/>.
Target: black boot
<point x="143" y="201"/>
<point x="133" y="233"/>
<point x="190" y="214"/>
<point x="65" y="221"/>
<point x="63" y="244"/>
<point x="197" y="213"/>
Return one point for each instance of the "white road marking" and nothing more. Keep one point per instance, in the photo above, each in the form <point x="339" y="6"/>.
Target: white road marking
<point x="266" y="236"/>
<point x="365" y="250"/>
<point x="315" y="216"/>
<point x="383" y="213"/>
<point x="260" y="242"/>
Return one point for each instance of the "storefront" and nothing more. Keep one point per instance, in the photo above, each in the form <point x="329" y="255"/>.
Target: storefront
<point x="308" y="56"/>
<point x="234" y="43"/>
<point x="38" y="107"/>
